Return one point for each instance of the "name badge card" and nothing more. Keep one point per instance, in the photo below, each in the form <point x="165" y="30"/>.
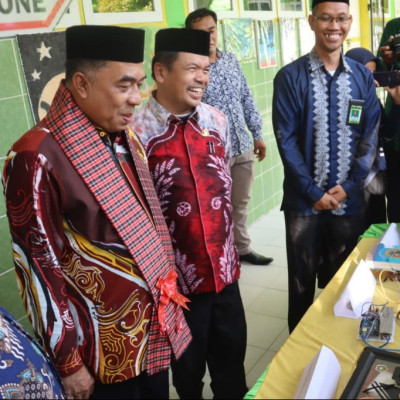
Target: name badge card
<point x="355" y="112"/>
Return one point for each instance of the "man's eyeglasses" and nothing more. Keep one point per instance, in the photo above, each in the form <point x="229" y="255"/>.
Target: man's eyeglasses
<point x="329" y="20"/>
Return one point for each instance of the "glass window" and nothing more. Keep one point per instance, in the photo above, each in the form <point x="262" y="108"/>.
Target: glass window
<point x="291" y="5"/>
<point x="291" y="8"/>
<point x="257" y="9"/>
<point x="257" y="5"/>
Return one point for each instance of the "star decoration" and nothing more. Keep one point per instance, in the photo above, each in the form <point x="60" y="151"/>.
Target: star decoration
<point x="35" y="75"/>
<point x="43" y="51"/>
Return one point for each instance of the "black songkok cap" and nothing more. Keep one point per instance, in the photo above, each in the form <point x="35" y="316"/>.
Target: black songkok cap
<point x="109" y="43"/>
<point x="181" y="39"/>
<point x="315" y="2"/>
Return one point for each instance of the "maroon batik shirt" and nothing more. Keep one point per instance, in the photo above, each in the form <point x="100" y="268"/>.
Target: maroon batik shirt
<point x="189" y="163"/>
<point x="90" y="302"/>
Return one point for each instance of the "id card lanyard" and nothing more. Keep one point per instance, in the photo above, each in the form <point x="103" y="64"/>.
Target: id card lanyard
<point x="354" y="115"/>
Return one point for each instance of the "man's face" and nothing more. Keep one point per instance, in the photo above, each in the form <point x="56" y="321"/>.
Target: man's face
<point x="208" y="24"/>
<point x="112" y="93"/>
<point x="181" y="88"/>
<point x="330" y="34"/>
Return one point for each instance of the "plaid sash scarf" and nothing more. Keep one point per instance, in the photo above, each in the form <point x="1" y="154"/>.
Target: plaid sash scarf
<point x="131" y="167"/>
<point x="149" y="247"/>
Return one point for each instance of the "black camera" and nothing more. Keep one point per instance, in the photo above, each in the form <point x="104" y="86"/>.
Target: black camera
<point x="388" y="78"/>
<point x="394" y="45"/>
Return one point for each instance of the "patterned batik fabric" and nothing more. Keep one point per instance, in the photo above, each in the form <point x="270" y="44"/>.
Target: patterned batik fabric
<point x="228" y="91"/>
<point x="191" y="176"/>
<point x="322" y="132"/>
<point x="26" y="372"/>
<point x="89" y="299"/>
<point x="318" y="147"/>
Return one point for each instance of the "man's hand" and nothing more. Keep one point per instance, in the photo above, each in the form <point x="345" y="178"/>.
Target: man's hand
<point x="394" y="93"/>
<point x="387" y="54"/>
<point x="79" y="385"/>
<point x="326" y="202"/>
<point x="260" y="149"/>
<point x="338" y="193"/>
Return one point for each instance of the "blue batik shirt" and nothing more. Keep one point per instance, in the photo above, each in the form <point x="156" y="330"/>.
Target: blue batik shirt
<point x="26" y="371"/>
<point x="228" y="91"/>
<point x="318" y="146"/>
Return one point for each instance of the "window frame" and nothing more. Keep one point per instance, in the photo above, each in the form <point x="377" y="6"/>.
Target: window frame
<point x="258" y="14"/>
<point x="134" y="17"/>
<point x="293" y="14"/>
<point x="234" y="13"/>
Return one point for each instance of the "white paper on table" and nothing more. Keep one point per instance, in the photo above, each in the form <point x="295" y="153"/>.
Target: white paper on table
<point x="359" y="290"/>
<point x="391" y="237"/>
<point x="320" y="376"/>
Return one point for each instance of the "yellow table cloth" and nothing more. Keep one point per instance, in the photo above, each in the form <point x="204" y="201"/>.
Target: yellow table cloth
<point x="318" y="327"/>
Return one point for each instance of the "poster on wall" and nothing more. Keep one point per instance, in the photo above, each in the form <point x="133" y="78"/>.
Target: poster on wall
<point x="18" y="17"/>
<point x="288" y="45"/>
<point x="239" y="38"/>
<point x="106" y="12"/>
<point x="42" y="58"/>
<point x="71" y="16"/>
<point x="307" y="36"/>
<point x="266" y="51"/>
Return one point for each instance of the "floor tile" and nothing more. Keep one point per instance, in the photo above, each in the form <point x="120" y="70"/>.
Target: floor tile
<point x="262" y="330"/>
<point x="278" y="278"/>
<point x="207" y="392"/>
<point x="249" y="293"/>
<point x="281" y="280"/>
<point x="256" y="275"/>
<point x="279" y="239"/>
<point x="262" y="235"/>
<point x="259" y="368"/>
<point x="278" y="253"/>
<point x="253" y="354"/>
<point x="280" y="340"/>
<point x="271" y="302"/>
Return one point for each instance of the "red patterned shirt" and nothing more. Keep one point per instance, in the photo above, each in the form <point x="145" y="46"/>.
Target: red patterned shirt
<point x="189" y="164"/>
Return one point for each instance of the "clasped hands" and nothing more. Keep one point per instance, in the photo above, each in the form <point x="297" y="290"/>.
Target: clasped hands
<point x="331" y="199"/>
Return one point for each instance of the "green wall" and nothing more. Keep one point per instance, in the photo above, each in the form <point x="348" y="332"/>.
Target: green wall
<point x="16" y="118"/>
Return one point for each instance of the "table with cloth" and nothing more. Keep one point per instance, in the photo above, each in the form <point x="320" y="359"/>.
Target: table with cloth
<point x="319" y="326"/>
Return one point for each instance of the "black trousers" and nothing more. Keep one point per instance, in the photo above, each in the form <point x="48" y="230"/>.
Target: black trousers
<point x="376" y="210"/>
<point x="393" y="184"/>
<point x="141" y="387"/>
<point x="218" y="326"/>
<point x="316" y="247"/>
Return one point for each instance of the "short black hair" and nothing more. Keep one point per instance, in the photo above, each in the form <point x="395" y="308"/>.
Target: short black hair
<point x="87" y="67"/>
<point x="166" y="58"/>
<point x="198" y="14"/>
